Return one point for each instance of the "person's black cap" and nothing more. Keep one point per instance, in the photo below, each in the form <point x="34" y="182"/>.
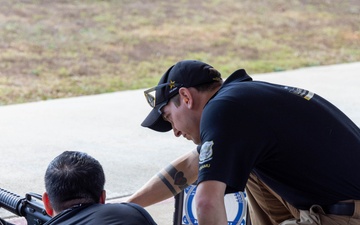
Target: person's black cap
<point x="187" y="73"/>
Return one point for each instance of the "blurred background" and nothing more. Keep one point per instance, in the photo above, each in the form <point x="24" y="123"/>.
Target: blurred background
<point x="55" y="49"/>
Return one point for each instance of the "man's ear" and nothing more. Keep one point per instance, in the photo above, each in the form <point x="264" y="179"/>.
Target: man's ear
<point x="48" y="207"/>
<point x="102" y="197"/>
<point x="186" y="97"/>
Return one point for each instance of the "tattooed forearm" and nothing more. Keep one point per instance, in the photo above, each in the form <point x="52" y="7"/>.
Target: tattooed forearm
<point x="178" y="177"/>
<point x="180" y="173"/>
<point x="167" y="183"/>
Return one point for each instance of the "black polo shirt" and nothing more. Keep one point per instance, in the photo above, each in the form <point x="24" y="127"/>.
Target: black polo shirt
<point x="298" y="143"/>
<point x="106" y="214"/>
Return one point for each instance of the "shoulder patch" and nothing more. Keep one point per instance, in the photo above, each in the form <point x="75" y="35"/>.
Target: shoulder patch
<point x="206" y="152"/>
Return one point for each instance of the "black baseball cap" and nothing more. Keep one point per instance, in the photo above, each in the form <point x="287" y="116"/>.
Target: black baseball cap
<point x="187" y="73"/>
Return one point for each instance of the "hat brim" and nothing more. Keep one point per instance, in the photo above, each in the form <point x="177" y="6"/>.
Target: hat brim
<point x="155" y="122"/>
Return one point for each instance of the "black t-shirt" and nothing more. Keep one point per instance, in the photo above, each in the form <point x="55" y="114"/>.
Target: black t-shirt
<point x="299" y="144"/>
<point x="105" y="214"/>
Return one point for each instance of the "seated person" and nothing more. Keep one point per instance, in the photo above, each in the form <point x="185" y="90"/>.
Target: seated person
<point x="74" y="183"/>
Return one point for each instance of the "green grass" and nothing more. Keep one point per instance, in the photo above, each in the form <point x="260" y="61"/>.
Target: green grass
<point x="57" y="49"/>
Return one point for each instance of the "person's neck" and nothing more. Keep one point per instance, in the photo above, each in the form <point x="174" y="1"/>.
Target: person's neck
<point x="73" y="204"/>
<point x="202" y="98"/>
<point x="208" y="95"/>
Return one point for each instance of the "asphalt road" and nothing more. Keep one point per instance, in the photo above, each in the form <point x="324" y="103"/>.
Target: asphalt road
<point x="107" y="126"/>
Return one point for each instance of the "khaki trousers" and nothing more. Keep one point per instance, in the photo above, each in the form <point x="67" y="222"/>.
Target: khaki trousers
<point x="268" y="208"/>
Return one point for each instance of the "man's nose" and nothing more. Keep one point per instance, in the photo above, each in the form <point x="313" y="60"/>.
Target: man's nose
<point x="177" y="133"/>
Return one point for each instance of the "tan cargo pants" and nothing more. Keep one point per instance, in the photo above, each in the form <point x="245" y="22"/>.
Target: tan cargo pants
<point x="268" y="208"/>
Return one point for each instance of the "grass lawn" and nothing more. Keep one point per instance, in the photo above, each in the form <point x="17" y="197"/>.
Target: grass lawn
<point x="55" y="49"/>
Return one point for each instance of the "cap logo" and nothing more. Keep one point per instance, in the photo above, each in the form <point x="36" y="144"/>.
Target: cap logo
<point x="172" y="84"/>
<point x="217" y="78"/>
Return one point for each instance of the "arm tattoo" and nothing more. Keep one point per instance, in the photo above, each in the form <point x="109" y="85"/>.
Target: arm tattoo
<point x="178" y="176"/>
<point x="166" y="182"/>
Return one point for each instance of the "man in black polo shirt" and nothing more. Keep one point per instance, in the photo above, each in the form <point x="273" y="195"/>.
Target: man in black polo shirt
<point x="74" y="183"/>
<point x="296" y="154"/>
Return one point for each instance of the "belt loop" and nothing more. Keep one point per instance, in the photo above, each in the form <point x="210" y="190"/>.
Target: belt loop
<point x="357" y="209"/>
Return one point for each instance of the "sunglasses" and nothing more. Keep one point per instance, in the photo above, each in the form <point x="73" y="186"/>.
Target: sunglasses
<point x="151" y="93"/>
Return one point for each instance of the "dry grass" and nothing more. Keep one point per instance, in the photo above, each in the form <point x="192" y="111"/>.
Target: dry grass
<point x="54" y="49"/>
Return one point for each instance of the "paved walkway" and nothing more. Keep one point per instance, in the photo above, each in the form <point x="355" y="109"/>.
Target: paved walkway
<point x="108" y="127"/>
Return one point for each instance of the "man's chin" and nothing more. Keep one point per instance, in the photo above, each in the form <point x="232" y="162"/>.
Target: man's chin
<point x="197" y="142"/>
<point x="193" y="140"/>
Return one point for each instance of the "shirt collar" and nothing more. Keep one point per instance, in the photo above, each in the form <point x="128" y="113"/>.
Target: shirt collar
<point x="239" y="75"/>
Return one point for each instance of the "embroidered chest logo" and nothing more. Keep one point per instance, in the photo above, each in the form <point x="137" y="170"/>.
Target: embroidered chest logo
<point x="206" y="152"/>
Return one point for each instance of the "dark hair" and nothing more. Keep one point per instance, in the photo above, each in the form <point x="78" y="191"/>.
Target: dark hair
<point x="74" y="178"/>
<point x="212" y="85"/>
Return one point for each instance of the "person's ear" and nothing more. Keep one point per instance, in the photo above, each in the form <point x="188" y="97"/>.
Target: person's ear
<point x="47" y="205"/>
<point x="102" y="197"/>
<point x="186" y="97"/>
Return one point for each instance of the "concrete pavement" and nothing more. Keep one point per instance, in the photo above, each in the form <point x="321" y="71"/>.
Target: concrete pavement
<point x="108" y="127"/>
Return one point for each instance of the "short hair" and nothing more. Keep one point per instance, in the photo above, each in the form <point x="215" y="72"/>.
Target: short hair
<point x="74" y="178"/>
